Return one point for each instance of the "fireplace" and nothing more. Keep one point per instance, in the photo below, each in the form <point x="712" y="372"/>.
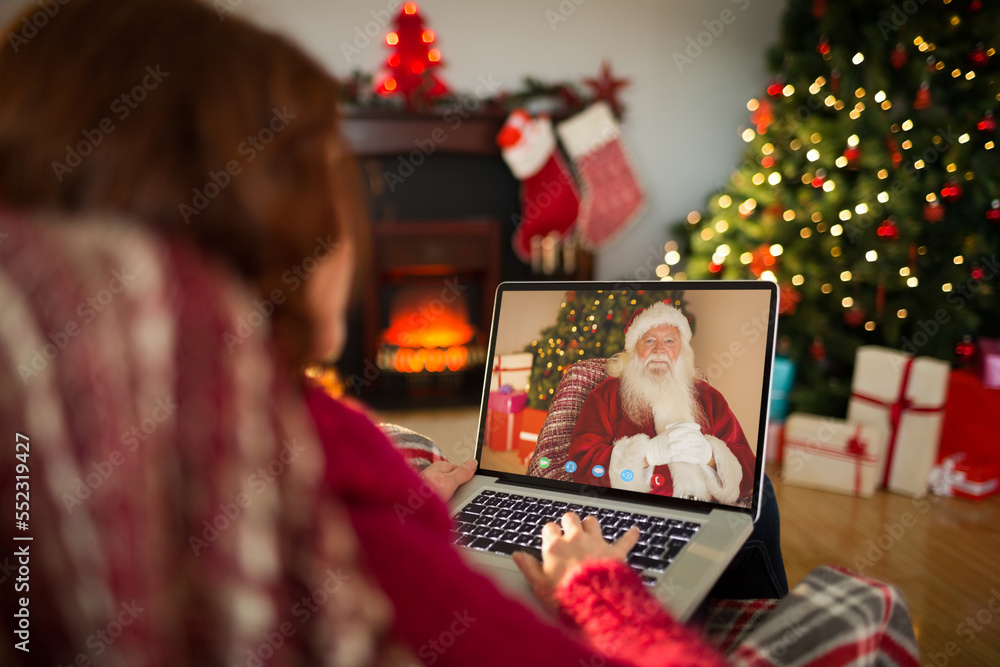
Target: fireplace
<point x="443" y="206"/>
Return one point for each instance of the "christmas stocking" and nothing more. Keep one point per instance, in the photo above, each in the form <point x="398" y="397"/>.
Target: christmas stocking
<point x="549" y="198"/>
<point x="612" y="196"/>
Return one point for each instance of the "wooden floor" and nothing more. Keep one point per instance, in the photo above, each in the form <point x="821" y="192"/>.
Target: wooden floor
<point x="943" y="553"/>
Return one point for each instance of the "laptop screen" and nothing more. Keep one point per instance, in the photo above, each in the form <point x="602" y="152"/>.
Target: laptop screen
<point x="651" y="390"/>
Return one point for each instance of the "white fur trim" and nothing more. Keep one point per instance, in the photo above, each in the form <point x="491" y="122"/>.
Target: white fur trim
<point x="527" y="157"/>
<point x="681" y="442"/>
<point x="701" y="482"/>
<point x="589" y="130"/>
<point x="654" y="316"/>
<point x="628" y="454"/>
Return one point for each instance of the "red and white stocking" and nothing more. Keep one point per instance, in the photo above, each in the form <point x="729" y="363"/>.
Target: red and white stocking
<point x="612" y="196"/>
<point x="549" y="197"/>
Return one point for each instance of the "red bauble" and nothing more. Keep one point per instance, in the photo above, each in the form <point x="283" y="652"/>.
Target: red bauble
<point x="762" y="116"/>
<point x="974" y="6"/>
<point x="762" y="259"/>
<point x="898" y="57"/>
<point x="993" y="215"/>
<point x="854" y="316"/>
<point x="952" y="191"/>
<point x="714" y="268"/>
<point x="823" y="47"/>
<point x="790" y="298"/>
<point x="977" y="273"/>
<point x="923" y="98"/>
<point x="888" y="230"/>
<point x="767" y="162"/>
<point x="988" y="123"/>
<point x="966" y="351"/>
<point x="933" y="212"/>
<point x="774" y="90"/>
<point x="819" y="8"/>
<point x="853" y="154"/>
<point x="979" y="57"/>
<point x="819" y="179"/>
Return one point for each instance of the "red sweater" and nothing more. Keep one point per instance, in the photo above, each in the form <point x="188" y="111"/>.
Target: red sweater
<point x="450" y="615"/>
<point x="602" y="422"/>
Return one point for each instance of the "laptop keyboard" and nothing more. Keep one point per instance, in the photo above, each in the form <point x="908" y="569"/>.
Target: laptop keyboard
<point x="503" y="523"/>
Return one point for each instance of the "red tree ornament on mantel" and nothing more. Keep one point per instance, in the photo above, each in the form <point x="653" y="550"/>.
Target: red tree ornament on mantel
<point x="414" y="59"/>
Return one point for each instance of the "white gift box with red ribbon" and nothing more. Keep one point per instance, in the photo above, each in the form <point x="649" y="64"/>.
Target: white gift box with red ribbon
<point x="831" y="454"/>
<point x="513" y="369"/>
<point x="905" y="395"/>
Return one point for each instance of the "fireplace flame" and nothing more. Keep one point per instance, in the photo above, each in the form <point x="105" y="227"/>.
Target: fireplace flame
<point x="429" y="332"/>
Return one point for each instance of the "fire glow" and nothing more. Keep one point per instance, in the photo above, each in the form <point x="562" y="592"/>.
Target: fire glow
<point x="428" y="334"/>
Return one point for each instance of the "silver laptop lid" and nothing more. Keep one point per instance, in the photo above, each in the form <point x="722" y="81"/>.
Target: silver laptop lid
<point x="656" y="392"/>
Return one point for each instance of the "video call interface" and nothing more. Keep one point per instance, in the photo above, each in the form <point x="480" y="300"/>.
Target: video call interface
<point x="679" y="413"/>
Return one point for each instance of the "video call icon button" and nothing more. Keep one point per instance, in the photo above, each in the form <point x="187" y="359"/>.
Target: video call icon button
<point x="598" y="471"/>
<point x="570" y="466"/>
<point x="543" y="463"/>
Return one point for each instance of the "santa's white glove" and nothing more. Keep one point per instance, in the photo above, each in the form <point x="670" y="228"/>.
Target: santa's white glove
<point x="682" y="442"/>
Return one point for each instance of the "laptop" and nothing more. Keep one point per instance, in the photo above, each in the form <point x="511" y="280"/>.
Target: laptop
<point x="539" y="461"/>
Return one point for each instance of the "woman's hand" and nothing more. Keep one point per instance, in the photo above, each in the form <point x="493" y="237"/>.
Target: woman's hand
<point x="445" y="477"/>
<point x="563" y="550"/>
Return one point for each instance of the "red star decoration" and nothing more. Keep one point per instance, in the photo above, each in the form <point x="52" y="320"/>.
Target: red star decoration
<point x="605" y="88"/>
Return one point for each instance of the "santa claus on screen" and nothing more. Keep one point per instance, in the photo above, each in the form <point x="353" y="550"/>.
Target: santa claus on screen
<point x="655" y="426"/>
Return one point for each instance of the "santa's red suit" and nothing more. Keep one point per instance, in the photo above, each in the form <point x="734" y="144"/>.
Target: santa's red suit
<point x="602" y="423"/>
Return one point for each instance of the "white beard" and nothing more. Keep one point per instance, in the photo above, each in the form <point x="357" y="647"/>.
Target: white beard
<point x="669" y="397"/>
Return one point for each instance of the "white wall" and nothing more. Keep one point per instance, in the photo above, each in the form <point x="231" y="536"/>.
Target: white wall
<point x="682" y="123"/>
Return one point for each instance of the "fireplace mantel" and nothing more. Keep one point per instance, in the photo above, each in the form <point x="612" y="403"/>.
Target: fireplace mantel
<point x="372" y="134"/>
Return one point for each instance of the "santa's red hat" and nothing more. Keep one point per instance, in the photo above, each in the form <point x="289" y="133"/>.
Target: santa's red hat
<point x="654" y="316"/>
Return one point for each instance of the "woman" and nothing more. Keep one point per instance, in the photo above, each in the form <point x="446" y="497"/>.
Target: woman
<point x="215" y="133"/>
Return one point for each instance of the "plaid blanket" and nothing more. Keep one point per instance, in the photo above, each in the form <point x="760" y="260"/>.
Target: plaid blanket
<point x="832" y="617"/>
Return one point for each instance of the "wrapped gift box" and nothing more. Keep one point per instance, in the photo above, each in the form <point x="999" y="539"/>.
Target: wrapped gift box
<point x="967" y="427"/>
<point x="963" y="477"/>
<point x="503" y="422"/>
<point x="831" y="454"/>
<point x="989" y="362"/>
<point x="904" y="395"/>
<point x="531" y="425"/>
<point x="513" y="369"/>
<point x="775" y="436"/>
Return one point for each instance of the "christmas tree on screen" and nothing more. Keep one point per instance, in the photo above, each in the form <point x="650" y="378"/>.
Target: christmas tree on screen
<point x="410" y="68"/>
<point x="589" y="324"/>
<point x="870" y="189"/>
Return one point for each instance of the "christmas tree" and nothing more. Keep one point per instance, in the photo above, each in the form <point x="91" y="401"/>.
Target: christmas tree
<point x="869" y="189"/>
<point x="590" y="323"/>
<point x="413" y="61"/>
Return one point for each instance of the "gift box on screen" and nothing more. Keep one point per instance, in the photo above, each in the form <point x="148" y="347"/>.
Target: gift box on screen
<point x="989" y="362"/>
<point x="513" y="369"/>
<point x="503" y="421"/>
<point x="832" y="454"/>
<point x="905" y="395"/>
<point x="970" y="418"/>
<point x="964" y="477"/>
<point x="531" y="425"/>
